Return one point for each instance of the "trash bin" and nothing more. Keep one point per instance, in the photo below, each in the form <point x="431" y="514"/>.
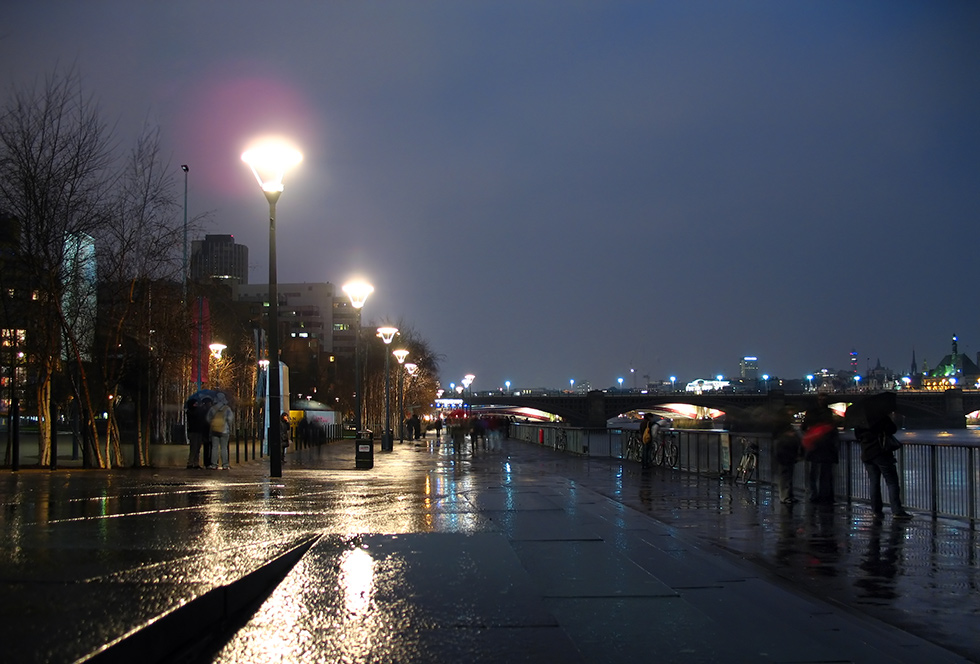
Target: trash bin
<point x="364" y="450"/>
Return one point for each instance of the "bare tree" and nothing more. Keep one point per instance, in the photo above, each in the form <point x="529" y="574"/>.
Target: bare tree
<point x="55" y="163"/>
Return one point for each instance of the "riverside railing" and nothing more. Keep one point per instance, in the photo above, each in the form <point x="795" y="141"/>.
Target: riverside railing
<point x="937" y="477"/>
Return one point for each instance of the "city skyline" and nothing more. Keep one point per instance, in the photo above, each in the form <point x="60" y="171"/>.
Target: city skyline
<point x="550" y="192"/>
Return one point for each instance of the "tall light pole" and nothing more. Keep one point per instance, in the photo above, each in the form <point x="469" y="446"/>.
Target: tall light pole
<point x="400" y="355"/>
<point x="358" y="292"/>
<point x="184" y="273"/>
<point x="269" y="162"/>
<point x="387" y="442"/>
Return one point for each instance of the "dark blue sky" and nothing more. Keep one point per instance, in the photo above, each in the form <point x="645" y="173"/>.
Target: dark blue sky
<point x="556" y="190"/>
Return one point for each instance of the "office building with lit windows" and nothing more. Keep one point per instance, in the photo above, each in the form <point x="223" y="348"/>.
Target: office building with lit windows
<point x="219" y="257"/>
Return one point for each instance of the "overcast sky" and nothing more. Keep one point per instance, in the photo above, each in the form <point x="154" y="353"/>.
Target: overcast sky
<point x="566" y="190"/>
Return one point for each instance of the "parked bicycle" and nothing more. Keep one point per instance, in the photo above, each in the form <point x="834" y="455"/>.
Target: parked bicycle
<point x="634" y="447"/>
<point x="561" y="440"/>
<point x="749" y="461"/>
<point x="666" y="451"/>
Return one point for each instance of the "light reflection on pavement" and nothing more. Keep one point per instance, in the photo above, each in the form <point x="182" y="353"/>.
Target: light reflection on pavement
<point x="488" y="521"/>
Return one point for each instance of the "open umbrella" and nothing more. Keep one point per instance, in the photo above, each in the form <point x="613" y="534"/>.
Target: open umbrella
<point x="203" y="394"/>
<point x="867" y="412"/>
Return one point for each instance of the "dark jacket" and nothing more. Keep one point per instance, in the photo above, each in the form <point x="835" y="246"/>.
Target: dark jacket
<point x="785" y="439"/>
<point x="197" y="416"/>
<point x="870" y="439"/>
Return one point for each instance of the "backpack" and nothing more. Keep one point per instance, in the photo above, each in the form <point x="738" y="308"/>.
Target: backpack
<point x="218" y="420"/>
<point x="648" y="435"/>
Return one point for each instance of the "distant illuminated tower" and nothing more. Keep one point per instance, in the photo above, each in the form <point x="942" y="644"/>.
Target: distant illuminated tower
<point x="915" y="366"/>
<point x="749" y="367"/>
<point x="854" y="360"/>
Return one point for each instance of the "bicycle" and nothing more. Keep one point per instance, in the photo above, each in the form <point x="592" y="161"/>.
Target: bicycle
<point x="561" y="440"/>
<point x="666" y="451"/>
<point x="634" y="447"/>
<point x="749" y="461"/>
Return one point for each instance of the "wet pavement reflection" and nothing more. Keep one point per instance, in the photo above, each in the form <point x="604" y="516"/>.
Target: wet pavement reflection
<point x="515" y="553"/>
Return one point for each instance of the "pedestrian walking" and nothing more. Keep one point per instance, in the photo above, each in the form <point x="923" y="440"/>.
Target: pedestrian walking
<point x="788" y="448"/>
<point x="285" y="428"/>
<point x="820" y="445"/>
<point x="221" y="419"/>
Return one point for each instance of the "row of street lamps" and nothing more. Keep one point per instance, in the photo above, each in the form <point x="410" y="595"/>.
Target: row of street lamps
<point x="269" y="163"/>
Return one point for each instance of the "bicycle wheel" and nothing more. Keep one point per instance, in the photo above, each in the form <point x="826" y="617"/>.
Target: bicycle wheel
<point x="658" y="454"/>
<point x="671" y="454"/>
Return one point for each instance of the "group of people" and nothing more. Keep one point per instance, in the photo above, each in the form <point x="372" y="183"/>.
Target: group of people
<point x="818" y="446"/>
<point x="209" y="424"/>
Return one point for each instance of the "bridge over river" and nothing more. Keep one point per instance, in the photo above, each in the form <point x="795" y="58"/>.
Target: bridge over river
<point x="918" y="409"/>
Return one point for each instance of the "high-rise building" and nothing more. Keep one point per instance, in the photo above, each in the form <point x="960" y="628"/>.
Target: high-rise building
<point x="749" y="367"/>
<point x="218" y="257"/>
<point x="306" y="328"/>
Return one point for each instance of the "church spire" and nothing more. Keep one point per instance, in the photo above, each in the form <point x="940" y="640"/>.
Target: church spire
<point x="915" y="368"/>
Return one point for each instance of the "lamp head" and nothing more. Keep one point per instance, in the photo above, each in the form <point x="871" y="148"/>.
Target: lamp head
<point x="184" y="168"/>
<point x="358" y="292"/>
<point x="269" y="161"/>
<point x="411" y="368"/>
<point x="387" y="333"/>
<point x="400" y="355"/>
<point x="216" y="350"/>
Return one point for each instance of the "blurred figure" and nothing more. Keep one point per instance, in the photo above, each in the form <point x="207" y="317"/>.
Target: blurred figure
<point x="221" y="419"/>
<point x="438" y="428"/>
<point x="285" y="428"/>
<point x="820" y="444"/>
<point x="649" y="429"/>
<point x="788" y="447"/>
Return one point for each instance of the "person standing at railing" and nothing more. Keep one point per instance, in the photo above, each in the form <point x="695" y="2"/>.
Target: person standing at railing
<point x="649" y="431"/>
<point x="879" y="462"/>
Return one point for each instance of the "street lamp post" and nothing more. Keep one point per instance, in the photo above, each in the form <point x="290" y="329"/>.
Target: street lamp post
<point x="269" y="163"/>
<point x="400" y="355"/>
<point x="358" y="292"/>
<point x="673" y="379"/>
<point x="387" y="440"/>
<point x="184" y="273"/>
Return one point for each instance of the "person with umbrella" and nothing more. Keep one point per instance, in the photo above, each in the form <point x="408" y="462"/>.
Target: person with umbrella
<point x="221" y="419"/>
<point x="873" y="428"/>
<point x="198" y="430"/>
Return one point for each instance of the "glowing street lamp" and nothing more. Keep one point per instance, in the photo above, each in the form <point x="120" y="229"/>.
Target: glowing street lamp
<point x="358" y="292"/>
<point x="809" y="378"/>
<point x="765" y="377"/>
<point x="507" y="386"/>
<point x="620" y="383"/>
<point x="400" y="355"/>
<point x="387" y="439"/>
<point x="673" y="379"/>
<point x="216" y="350"/>
<point x="269" y="162"/>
